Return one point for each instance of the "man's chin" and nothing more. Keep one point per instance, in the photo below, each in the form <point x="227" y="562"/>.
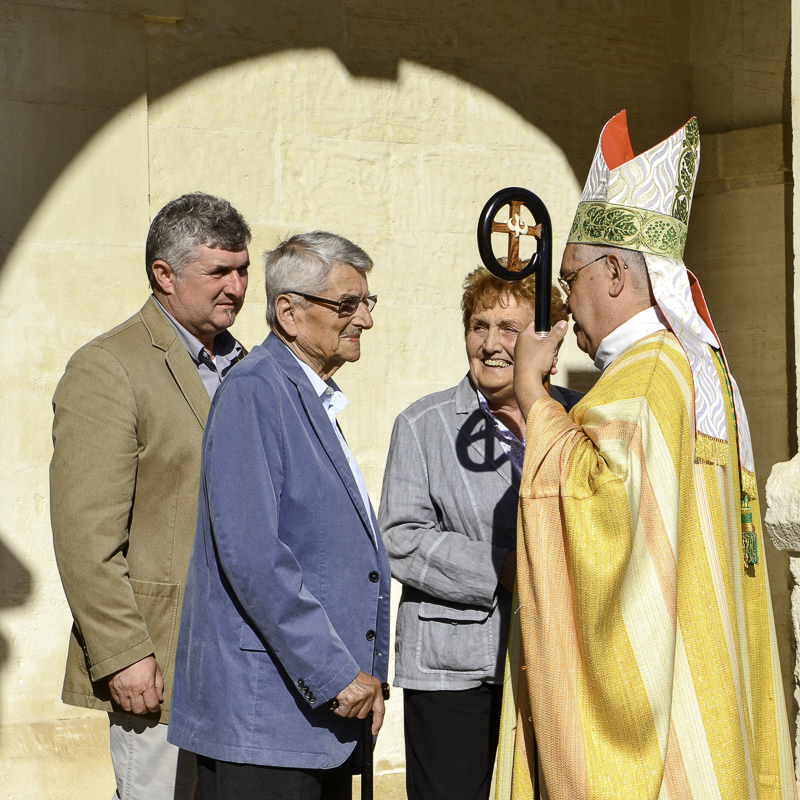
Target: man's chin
<point x="227" y="317"/>
<point x="351" y="350"/>
<point x="580" y="339"/>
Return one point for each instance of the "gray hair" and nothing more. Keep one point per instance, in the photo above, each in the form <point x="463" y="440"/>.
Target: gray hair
<point x="633" y="258"/>
<point x="302" y="264"/>
<point x="191" y="221"/>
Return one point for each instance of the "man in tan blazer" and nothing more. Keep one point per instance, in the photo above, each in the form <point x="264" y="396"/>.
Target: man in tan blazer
<point x="124" y="483"/>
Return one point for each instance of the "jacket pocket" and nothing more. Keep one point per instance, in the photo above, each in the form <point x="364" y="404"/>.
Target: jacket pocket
<point x="454" y="639"/>
<point x="250" y="640"/>
<point x="158" y="604"/>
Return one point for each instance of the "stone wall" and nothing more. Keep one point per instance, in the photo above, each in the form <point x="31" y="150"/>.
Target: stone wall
<point x="389" y="122"/>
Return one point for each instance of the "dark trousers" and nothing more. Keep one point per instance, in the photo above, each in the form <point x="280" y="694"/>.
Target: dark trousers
<point x="451" y="741"/>
<point x="222" y="780"/>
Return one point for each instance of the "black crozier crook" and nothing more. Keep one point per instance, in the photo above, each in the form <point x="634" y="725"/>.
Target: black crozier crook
<point x="541" y="261"/>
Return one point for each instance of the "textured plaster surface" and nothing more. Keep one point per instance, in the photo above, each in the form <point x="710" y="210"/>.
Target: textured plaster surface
<point x="739" y="51"/>
<point x="318" y="150"/>
<point x="390" y="123"/>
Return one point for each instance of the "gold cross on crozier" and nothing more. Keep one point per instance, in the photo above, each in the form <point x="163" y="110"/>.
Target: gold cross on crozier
<point x="515" y="227"/>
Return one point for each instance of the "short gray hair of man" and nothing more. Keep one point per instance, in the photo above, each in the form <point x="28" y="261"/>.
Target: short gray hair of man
<point x="189" y="222"/>
<point x="633" y="258"/>
<point x="302" y="264"/>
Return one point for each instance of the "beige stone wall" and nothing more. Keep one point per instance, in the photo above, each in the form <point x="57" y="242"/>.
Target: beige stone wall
<point x="390" y="123"/>
<point x="739" y="62"/>
<point x="782" y="520"/>
<point x="296" y="143"/>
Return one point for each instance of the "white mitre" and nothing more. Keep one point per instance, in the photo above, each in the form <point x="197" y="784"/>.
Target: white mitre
<point x="642" y="203"/>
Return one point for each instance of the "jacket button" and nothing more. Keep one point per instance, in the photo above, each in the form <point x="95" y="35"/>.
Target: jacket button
<point x="370" y="635"/>
<point x="312" y="700"/>
<point x="301" y="682"/>
<point x="374" y="576"/>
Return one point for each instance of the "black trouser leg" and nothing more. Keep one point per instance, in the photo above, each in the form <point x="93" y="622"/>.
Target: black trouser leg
<point x="451" y="742"/>
<point x="223" y="780"/>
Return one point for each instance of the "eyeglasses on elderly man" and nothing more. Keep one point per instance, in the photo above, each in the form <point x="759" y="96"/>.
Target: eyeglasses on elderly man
<point x="346" y="307"/>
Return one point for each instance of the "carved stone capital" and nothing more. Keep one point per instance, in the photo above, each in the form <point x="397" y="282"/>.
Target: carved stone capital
<point x="782" y="520"/>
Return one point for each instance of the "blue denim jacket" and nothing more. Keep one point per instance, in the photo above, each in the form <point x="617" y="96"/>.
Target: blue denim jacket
<point x="287" y="595"/>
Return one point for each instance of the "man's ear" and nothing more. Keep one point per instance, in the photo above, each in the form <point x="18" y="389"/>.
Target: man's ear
<point x="164" y="277"/>
<point x="284" y="315"/>
<point x="617" y="273"/>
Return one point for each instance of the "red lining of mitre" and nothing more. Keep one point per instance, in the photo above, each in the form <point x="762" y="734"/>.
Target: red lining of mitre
<point x="700" y="304"/>
<point x="615" y="141"/>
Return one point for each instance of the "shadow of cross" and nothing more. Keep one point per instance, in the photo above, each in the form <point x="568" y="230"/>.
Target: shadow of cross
<point x="515" y="227"/>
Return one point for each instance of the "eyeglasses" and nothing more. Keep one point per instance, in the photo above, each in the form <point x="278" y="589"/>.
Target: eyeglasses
<point x="346" y="307"/>
<point x="567" y="282"/>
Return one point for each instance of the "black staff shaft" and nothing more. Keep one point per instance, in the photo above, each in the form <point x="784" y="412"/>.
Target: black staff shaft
<point x="366" y="758"/>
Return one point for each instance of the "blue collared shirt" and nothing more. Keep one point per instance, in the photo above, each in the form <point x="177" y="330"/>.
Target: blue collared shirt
<point x="211" y="370"/>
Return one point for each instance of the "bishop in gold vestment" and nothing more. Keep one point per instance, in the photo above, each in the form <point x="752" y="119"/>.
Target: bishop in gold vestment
<point x="648" y="664"/>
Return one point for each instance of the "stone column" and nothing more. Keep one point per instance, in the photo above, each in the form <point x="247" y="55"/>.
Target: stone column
<point x="782" y="519"/>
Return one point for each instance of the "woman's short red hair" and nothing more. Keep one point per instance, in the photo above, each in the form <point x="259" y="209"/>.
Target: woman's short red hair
<point x="484" y="290"/>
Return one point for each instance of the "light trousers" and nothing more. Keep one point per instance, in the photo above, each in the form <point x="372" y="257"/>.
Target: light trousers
<point x="146" y="765"/>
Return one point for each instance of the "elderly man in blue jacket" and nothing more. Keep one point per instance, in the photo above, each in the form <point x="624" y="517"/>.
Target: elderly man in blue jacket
<point x="284" y="635"/>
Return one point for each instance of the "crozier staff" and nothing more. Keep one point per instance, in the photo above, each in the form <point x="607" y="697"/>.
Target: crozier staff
<point x="448" y="515"/>
<point x="650" y="666"/>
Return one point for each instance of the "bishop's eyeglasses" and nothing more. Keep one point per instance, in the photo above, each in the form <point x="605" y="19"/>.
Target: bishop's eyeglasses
<point x="568" y="281"/>
<point x="346" y="307"/>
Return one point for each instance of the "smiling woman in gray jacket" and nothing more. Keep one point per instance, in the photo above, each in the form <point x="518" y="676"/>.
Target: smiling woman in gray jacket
<point x="449" y="520"/>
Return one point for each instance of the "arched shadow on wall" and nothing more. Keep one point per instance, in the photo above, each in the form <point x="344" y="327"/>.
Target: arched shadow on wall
<point x="16" y="588"/>
<point x="544" y="64"/>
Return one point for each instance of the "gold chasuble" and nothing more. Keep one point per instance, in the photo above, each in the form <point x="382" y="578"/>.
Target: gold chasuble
<point x="649" y="655"/>
<point x="643" y="653"/>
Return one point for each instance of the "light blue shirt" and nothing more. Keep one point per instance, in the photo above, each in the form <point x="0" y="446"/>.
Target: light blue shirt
<point x="334" y="401"/>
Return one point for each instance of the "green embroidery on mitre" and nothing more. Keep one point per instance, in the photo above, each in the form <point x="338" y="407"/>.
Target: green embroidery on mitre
<point x="687" y="171"/>
<point x="632" y="228"/>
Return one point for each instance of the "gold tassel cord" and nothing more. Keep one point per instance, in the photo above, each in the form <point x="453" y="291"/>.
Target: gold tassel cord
<point x="749" y="535"/>
<point x="749" y="538"/>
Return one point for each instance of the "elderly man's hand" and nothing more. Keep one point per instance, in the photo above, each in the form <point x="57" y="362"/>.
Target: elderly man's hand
<point x="534" y="359"/>
<point x="360" y="697"/>
<point x="139" y="688"/>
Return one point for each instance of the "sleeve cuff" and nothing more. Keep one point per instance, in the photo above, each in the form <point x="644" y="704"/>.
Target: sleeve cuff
<point x="343" y="678"/>
<point x="102" y="669"/>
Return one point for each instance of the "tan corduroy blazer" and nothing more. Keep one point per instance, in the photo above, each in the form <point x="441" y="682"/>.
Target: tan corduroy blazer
<point x="124" y="479"/>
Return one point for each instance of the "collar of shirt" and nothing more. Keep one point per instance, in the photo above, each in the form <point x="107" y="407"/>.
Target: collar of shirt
<point x="637" y="327"/>
<point x="224" y="344"/>
<point x="512" y="446"/>
<point x="332" y="397"/>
